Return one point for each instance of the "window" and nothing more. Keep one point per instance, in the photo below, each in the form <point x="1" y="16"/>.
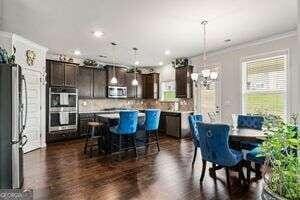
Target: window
<point x="168" y="91"/>
<point x="265" y="86"/>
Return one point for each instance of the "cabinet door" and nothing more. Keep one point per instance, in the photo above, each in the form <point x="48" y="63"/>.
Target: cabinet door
<point x="131" y="90"/>
<point x="148" y="86"/>
<point x="71" y="75"/>
<point x="139" y="89"/>
<point x="181" y="82"/>
<point x="85" y="82"/>
<point x="57" y="73"/>
<point x="99" y="83"/>
<point x="121" y="76"/>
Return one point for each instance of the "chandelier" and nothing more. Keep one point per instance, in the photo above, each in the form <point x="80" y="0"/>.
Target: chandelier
<point x="206" y="77"/>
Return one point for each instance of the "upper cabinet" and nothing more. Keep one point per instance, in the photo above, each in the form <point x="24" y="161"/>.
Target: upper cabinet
<point x="120" y="73"/>
<point x="62" y="73"/>
<point x="134" y="91"/>
<point x="91" y="83"/>
<point x="99" y="83"/>
<point x="150" y="86"/>
<point x="85" y="82"/>
<point x="184" y="83"/>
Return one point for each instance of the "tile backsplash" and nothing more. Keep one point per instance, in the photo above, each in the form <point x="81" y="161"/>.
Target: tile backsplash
<point x="94" y="105"/>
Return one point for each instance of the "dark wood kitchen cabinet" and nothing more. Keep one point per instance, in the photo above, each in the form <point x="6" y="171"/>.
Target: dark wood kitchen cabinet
<point x="184" y="83"/>
<point x="99" y="83"/>
<point x="61" y="73"/>
<point x="71" y="72"/>
<point x="91" y="83"/>
<point x="120" y="75"/>
<point x="85" y="82"/>
<point x="134" y="91"/>
<point x="150" y="86"/>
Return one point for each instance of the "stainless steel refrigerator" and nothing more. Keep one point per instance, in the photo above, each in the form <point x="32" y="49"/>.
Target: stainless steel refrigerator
<point x="13" y="117"/>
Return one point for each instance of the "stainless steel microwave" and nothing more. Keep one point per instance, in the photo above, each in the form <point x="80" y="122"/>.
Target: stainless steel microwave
<point x="117" y="92"/>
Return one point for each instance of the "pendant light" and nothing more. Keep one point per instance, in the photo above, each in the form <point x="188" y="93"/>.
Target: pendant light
<point x="114" y="80"/>
<point x="136" y="63"/>
<point x="206" y="75"/>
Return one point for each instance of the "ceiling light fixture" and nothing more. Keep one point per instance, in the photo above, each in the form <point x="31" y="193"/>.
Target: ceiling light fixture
<point x="98" y="34"/>
<point x="136" y="63"/>
<point x="77" y="52"/>
<point x="206" y="75"/>
<point x="167" y="52"/>
<point x="114" y="80"/>
<point x="160" y="63"/>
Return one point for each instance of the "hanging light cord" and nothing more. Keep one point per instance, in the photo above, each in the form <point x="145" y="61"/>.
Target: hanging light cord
<point x="204" y="43"/>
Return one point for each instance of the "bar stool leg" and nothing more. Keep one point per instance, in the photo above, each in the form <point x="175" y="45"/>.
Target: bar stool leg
<point x="134" y="145"/>
<point x="157" y="141"/>
<point x="86" y="141"/>
<point x="91" y="147"/>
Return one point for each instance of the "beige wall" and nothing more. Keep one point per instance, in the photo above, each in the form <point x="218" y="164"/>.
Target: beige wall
<point x="230" y="79"/>
<point x="230" y="61"/>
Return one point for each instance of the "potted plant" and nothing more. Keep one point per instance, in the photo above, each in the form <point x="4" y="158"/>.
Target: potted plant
<point x="282" y="168"/>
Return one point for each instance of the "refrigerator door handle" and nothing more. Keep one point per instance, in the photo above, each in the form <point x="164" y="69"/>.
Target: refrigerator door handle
<point x="23" y="143"/>
<point x="26" y="104"/>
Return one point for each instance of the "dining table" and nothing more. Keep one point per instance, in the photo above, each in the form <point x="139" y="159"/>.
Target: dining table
<point x="246" y="134"/>
<point x="110" y="120"/>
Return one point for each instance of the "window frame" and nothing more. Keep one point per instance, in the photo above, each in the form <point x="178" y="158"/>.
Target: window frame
<point x="285" y="92"/>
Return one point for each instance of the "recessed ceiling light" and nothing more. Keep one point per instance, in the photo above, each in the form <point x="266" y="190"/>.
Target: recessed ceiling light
<point x="167" y="52"/>
<point x="160" y="63"/>
<point x="98" y="34"/>
<point x="77" y="52"/>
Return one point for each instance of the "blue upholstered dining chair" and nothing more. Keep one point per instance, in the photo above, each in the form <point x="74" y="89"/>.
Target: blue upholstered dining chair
<point x="194" y="131"/>
<point x="213" y="142"/>
<point x="250" y="122"/>
<point x="151" y="126"/>
<point x="253" y="156"/>
<point x="127" y="127"/>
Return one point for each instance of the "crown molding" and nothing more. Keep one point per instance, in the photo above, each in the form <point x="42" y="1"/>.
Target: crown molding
<point x="272" y="38"/>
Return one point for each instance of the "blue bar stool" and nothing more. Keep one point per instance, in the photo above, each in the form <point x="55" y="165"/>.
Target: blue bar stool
<point x="126" y="128"/>
<point x="151" y="126"/>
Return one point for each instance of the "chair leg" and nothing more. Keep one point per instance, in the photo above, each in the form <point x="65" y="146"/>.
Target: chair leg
<point x="257" y="171"/>
<point x="227" y="176"/>
<point x="195" y="155"/>
<point x="241" y="173"/>
<point x="157" y="141"/>
<point x="134" y="145"/>
<point x="248" y="171"/>
<point x="203" y="170"/>
<point x="147" y="141"/>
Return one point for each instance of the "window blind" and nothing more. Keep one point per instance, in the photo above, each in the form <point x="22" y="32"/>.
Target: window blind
<point x="265" y="83"/>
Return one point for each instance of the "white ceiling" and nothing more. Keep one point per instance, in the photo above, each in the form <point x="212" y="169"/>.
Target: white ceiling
<point x="150" y="25"/>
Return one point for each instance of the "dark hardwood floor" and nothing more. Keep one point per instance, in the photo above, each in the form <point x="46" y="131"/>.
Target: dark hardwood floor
<point x="62" y="171"/>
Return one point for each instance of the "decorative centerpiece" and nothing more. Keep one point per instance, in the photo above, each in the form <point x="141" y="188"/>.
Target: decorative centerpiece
<point x="282" y="169"/>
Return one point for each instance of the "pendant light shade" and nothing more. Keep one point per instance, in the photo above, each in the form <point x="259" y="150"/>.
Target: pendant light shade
<point x="134" y="82"/>
<point x="114" y="80"/>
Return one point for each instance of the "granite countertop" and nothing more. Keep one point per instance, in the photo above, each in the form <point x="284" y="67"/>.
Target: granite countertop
<point x="116" y="111"/>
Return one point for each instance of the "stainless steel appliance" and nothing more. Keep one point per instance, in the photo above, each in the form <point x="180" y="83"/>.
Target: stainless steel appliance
<point x="13" y="118"/>
<point x="63" y="107"/>
<point x="117" y="92"/>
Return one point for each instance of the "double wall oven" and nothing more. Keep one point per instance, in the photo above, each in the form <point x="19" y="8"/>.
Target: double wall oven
<point x="63" y="108"/>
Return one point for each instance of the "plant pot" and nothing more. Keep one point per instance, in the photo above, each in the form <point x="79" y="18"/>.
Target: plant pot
<point x="267" y="194"/>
